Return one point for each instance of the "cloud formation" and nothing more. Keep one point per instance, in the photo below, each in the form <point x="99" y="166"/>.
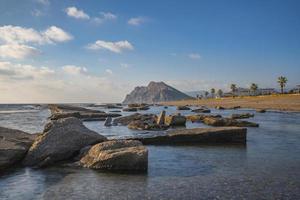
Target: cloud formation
<point x="74" y="70"/>
<point x="116" y="47"/>
<point x="76" y="13"/>
<point x="105" y="16"/>
<point x="136" y="21"/>
<point x="16" y="42"/>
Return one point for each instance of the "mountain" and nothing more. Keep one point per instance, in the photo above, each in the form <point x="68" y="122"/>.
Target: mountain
<point x="155" y="92"/>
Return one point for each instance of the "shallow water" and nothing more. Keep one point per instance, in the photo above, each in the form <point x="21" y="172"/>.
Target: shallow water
<point x="266" y="168"/>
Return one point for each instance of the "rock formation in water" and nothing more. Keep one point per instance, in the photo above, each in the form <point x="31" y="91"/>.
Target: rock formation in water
<point x="155" y="92"/>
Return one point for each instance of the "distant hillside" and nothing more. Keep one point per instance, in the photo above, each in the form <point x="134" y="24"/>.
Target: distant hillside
<point x="155" y="92"/>
<point x="195" y="93"/>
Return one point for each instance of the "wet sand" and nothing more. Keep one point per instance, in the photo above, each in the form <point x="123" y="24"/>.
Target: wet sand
<point x="286" y="102"/>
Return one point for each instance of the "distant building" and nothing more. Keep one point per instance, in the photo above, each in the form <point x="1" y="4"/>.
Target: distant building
<point x="266" y="91"/>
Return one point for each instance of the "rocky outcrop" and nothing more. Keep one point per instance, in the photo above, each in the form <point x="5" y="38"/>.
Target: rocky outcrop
<point x="155" y="92"/>
<point x="200" y="117"/>
<point x="14" y="145"/>
<point x="212" y="121"/>
<point x="242" y="116"/>
<point x="117" y="155"/>
<point x="198" y="136"/>
<point x="108" y="121"/>
<point x="65" y="111"/>
<point x="175" y="120"/>
<point x="61" y="140"/>
<point x="146" y="125"/>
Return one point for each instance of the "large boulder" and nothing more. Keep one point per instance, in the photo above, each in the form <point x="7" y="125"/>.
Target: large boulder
<point x="213" y="121"/>
<point x="61" y="140"/>
<point x="175" y="120"/>
<point x="214" y="135"/>
<point x="117" y="155"/>
<point x="14" y="145"/>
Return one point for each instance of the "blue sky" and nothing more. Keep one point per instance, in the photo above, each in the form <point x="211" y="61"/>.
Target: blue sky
<point x="49" y="53"/>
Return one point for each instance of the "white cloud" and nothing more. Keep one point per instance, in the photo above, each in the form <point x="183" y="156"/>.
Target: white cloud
<point x="17" y="51"/>
<point x="194" y="56"/>
<point x="76" y="13"/>
<point x="109" y="71"/>
<point x="74" y="70"/>
<point x="124" y="65"/>
<point x="16" y="42"/>
<point x="136" y="21"/>
<point x="116" y="47"/>
<point x="44" y="2"/>
<point x="56" y="34"/>
<point x="105" y="16"/>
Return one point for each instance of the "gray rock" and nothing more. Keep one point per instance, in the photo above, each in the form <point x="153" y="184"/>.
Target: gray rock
<point x="137" y="116"/>
<point x="183" y="108"/>
<point x="242" y="116"/>
<point x="108" y="121"/>
<point x="14" y="145"/>
<point x="175" y="120"/>
<point x="61" y="140"/>
<point x="117" y="155"/>
<point x="228" y="122"/>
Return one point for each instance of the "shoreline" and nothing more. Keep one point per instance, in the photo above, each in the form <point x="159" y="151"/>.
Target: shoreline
<point x="282" y="103"/>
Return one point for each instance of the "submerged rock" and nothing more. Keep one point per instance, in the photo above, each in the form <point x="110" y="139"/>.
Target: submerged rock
<point x="242" y="116"/>
<point x="117" y="155"/>
<point x="175" y="120"/>
<point x="14" y="145"/>
<point x="198" y="135"/>
<point x="61" y="140"/>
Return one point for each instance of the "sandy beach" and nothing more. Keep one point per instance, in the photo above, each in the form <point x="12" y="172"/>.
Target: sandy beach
<point x="286" y="102"/>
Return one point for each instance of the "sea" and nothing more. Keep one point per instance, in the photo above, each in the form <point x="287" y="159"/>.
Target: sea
<point x="267" y="167"/>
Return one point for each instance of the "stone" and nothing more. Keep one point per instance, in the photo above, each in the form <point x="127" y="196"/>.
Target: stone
<point x="228" y="122"/>
<point x="61" y="140"/>
<point x="14" y="145"/>
<point x="201" y="110"/>
<point x="220" y="108"/>
<point x="242" y="116"/>
<point x="117" y="155"/>
<point x="130" y="109"/>
<point x="146" y="125"/>
<point x="200" y="117"/>
<point x="108" y="121"/>
<point x="175" y="120"/>
<point x="218" y="135"/>
<point x="183" y="108"/>
<point x="161" y="118"/>
<point x="137" y="116"/>
<point x="261" y="110"/>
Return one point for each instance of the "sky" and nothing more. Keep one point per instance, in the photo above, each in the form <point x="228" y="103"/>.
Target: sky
<point x="55" y="51"/>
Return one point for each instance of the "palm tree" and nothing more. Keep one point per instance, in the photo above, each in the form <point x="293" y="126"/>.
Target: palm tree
<point x="253" y="87"/>
<point x="282" y="82"/>
<point x="233" y="88"/>
<point x="212" y="91"/>
<point x="206" y="93"/>
<point x="220" y="93"/>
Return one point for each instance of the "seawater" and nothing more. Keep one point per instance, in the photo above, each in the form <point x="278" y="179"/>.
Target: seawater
<point x="266" y="168"/>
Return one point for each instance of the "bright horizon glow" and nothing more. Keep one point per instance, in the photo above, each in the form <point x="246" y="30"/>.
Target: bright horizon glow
<point x="98" y="51"/>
